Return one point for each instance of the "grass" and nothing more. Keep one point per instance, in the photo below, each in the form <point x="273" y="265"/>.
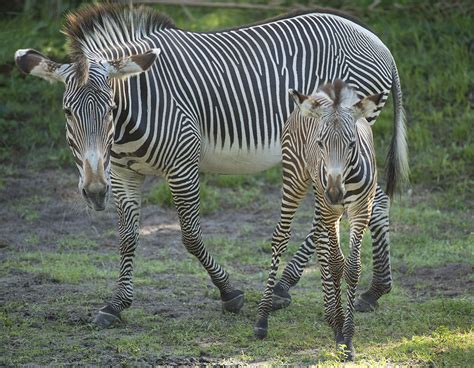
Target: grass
<point x="176" y="316"/>
<point x="234" y="191"/>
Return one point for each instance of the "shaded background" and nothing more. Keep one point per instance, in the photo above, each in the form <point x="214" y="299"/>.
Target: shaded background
<point x="432" y="43"/>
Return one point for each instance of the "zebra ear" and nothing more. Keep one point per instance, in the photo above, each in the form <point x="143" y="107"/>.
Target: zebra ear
<point x="32" y="62"/>
<point x="367" y="106"/>
<point x="297" y="97"/>
<point x="131" y="65"/>
<point x="308" y="105"/>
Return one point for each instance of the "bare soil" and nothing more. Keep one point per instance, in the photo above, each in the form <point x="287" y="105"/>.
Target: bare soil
<point x="446" y="281"/>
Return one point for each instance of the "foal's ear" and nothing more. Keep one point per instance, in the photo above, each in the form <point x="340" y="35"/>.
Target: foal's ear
<point x="32" y="62"/>
<point x="367" y="106"/>
<point x="131" y="65"/>
<point x="299" y="98"/>
<point x="308" y="105"/>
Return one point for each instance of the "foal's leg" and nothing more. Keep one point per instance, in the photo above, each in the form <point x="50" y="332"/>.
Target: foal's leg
<point x="352" y="268"/>
<point x="382" y="274"/>
<point x="294" y="189"/>
<point x="336" y="267"/>
<point x="126" y="187"/>
<point x="323" y="252"/>
<point x="293" y="270"/>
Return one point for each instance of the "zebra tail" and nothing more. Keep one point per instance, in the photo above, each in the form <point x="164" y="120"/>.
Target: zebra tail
<point x="396" y="167"/>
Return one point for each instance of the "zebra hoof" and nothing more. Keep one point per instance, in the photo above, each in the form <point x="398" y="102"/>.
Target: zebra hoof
<point x="366" y="304"/>
<point x="280" y="298"/>
<point x="260" y="329"/>
<point x="232" y="302"/>
<point x="346" y="350"/>
<point x="106" y="317"/>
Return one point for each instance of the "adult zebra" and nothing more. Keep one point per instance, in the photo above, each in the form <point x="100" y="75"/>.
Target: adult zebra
<point x="213" y="102"/>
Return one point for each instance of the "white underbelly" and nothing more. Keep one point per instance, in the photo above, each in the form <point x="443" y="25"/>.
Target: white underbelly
<point x="239" y="161"/>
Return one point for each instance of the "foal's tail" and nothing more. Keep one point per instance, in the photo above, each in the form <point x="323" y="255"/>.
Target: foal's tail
<point x="396" y="167"/>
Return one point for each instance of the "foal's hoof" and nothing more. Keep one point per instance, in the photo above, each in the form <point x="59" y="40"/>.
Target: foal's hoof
<point x="106" y="317"/>
<point x="280" y="298"/>
<point x="366" y="303"/>
<point x="346" y="350"/>
<point x="260" y="329"/>
<point x="232" y="302"/>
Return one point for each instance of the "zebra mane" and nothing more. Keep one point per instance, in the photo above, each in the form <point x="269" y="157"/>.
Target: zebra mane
<point x="337" y="94"/>
<point x="90" y="30"/>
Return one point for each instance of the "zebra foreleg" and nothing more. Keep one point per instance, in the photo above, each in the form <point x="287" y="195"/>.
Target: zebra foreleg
<point x="323" y="251"/>
<point x="293" y="271"/>
<point x="352" y="270"/>
<point x="126" y="187"/>
<point x="382" y="274"/>
<point x="280" y="238"/>
<point x="336" y="267"/>
<point x="184" y="186"/>
<point x="294" y="189"/>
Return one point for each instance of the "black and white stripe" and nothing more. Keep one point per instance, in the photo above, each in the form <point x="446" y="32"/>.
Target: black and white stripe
<point x="212" y="102"/>
<point x="328" y="141"/>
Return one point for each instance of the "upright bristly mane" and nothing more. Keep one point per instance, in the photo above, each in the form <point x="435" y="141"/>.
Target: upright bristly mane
<point x="92" y="30"/>
<point x="337" y="94"/>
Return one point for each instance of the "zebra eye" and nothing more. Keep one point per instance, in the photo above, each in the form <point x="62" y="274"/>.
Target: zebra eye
<point x="352" y="144"/>
<point x="320" y="144"/>
<point x="67" y="112"/>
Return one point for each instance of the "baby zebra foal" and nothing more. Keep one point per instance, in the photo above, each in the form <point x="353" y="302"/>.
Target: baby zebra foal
<point x="328" y="140"/>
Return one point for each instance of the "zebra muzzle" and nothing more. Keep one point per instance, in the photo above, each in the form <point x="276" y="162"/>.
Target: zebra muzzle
<point x="335" y="190"/>
<point x="95" y="188"/>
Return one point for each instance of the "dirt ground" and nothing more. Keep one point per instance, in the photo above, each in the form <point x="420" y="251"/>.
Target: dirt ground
<point x="47" y="205"/>
<point x="38" y="209"/>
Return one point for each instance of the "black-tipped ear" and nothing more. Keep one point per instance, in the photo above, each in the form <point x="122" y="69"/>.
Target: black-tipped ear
<point x="297" y="97"/>
<point x="367" y="106"/>
<point x="131" y="65"/>
<point x="32" y="62"/>
<point x="147" y="59"/>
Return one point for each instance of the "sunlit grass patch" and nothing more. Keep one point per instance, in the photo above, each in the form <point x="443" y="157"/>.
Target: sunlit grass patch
<point x="67" y="267"/>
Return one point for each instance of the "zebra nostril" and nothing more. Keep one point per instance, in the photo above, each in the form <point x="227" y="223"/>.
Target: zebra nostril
<point x="84" y="193"/>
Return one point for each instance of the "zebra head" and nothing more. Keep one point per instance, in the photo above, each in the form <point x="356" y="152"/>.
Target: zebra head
<point x="88" y="104"/>
<point x="333" y="142"/>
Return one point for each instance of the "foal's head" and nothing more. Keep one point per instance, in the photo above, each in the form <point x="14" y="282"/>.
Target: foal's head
<point x="332" y="143"/>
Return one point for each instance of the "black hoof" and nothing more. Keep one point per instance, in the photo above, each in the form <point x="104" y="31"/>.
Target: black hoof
<point x="233" y="301"/>
<point x="280" y="298"/>
<point x="106" y="317"/>
<point x="366" y="303"/>
<point x="260" y="329"/>
<point x="346" y="351"/>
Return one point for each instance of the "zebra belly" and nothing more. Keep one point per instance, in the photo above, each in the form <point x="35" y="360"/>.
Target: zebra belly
<point x="239" y="161"/>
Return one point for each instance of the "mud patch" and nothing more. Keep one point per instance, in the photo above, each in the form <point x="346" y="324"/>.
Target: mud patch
<point x="454" y="279"/>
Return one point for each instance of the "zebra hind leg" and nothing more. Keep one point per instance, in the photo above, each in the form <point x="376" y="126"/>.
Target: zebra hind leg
<point x="382" y="275"/>
<point x="185" y="189"/>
